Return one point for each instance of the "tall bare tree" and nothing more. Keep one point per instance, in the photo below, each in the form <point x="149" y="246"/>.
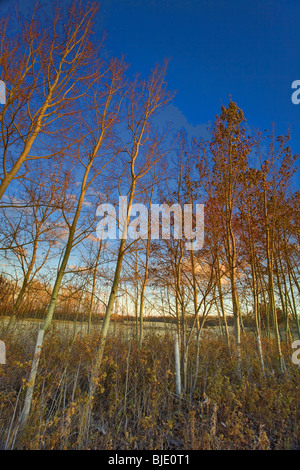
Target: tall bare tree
<point x="46" y="72"/>
<point x="94" y="152"/>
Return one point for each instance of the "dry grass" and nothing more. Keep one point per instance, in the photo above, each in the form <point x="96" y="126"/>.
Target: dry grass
<point x="135" y="406"/>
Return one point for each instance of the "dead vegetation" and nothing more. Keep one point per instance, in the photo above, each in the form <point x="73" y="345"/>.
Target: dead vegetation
<point x="135" y="405"/>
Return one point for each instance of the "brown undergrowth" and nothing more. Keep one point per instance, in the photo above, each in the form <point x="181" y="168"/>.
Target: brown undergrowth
<point x="135" y="406"/>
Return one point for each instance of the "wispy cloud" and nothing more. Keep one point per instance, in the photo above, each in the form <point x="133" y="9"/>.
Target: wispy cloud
<point x="179" y="121"/>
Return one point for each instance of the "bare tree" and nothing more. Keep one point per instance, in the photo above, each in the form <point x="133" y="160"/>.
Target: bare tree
<point x="29" y="228"/>
<point x="46" y="72"/>
<point x="94" y="153"/>
<point x="144" y="98"/>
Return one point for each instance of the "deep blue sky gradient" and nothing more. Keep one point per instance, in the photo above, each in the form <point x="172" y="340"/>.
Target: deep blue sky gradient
<point x="249" y="49"/>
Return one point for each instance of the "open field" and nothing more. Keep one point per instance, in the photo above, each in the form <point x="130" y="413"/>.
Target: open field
<point x="126" y="329"/>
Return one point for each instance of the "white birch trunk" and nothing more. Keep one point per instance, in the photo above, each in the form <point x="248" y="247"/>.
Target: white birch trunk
<point x="177" y="365"/>
<point x="31" y="382"/>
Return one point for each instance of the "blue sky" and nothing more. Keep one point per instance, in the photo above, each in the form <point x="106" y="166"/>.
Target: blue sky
<point x="248" y="49"/>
